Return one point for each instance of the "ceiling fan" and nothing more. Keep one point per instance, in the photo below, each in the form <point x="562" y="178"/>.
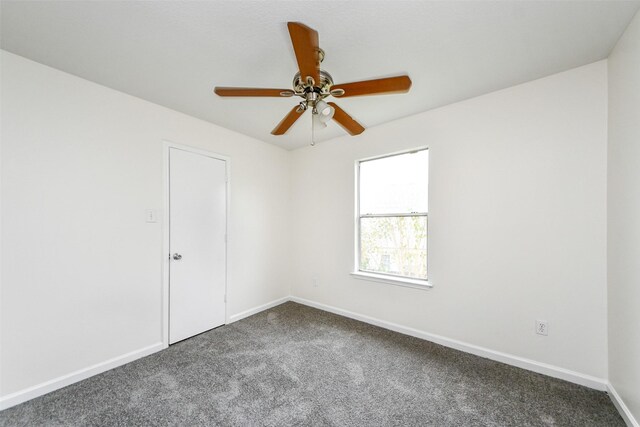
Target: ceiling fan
<point x="313" y="85"/>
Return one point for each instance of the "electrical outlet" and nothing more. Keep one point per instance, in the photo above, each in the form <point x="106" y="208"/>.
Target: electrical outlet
<point x="542" y="327"/>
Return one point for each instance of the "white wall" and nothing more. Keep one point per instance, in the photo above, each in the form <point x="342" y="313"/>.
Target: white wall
<point x="81" y="270"/>
<point x="517" y="221"/>
<point x="624" y="217"/>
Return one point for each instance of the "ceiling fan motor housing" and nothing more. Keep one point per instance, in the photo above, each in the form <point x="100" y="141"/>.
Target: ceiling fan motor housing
<point x="322" y="87"/>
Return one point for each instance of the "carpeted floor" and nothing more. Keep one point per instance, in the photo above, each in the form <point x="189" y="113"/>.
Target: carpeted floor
<point x="294" y="365"/>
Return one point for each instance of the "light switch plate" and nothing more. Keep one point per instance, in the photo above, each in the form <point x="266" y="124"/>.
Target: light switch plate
<point x="151" y="215"/>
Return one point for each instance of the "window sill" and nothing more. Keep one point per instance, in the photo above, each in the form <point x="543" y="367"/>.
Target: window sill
<point x="398" y="281"/>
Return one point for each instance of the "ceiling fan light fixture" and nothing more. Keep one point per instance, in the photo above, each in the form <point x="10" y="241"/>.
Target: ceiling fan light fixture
<point x="318" y="122"/>
<point x="324" y="111"/>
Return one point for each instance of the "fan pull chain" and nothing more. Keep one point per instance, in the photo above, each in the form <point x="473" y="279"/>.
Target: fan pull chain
<point x="313" y="127"/>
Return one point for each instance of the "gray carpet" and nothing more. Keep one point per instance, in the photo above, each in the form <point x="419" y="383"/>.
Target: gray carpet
<point x="294" y="365"/>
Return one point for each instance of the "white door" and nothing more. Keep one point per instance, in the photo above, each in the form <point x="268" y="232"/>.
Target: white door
<point x="197" y="242"/>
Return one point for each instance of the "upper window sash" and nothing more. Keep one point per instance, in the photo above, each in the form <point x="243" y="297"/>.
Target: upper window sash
<point x="394" y="183"/>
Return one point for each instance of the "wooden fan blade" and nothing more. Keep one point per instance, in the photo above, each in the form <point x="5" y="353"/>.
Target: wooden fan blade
<point x="306" y="46"/>
<point x="346" y="121"/>
<point x="288" y="120"/>
<point x="251" y="91"/>
<point x="398" y="84"/>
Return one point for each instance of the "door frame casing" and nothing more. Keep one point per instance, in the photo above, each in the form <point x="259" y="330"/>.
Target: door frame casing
<point x="166" y="147"/>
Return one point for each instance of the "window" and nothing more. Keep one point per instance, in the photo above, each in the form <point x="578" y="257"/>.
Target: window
<point x="392" y="209"/>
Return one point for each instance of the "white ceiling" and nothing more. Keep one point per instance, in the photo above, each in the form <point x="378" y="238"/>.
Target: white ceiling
<point x="173" y="53"/>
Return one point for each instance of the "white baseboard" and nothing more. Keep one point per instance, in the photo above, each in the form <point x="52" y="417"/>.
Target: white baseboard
<point x="626" y="414"/>
<point x="254" y="310"/>
<point x="531" y="365"/>
<point x="509" y="359"/>
<point x="65" y="380"/>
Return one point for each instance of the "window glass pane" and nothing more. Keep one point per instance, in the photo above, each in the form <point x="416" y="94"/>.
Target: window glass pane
<point x="394" y="245"/>
<point x="396" y="184"/>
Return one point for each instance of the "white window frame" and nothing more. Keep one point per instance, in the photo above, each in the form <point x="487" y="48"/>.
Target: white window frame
<point x="375" y="276"/>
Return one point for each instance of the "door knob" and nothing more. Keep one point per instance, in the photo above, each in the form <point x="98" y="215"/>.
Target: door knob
<point x="177" y="256"/>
